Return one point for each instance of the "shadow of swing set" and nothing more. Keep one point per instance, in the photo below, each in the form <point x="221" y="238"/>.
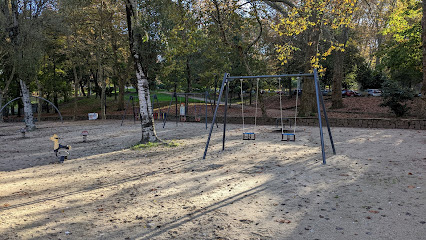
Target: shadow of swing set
<point x="284" y="136"/>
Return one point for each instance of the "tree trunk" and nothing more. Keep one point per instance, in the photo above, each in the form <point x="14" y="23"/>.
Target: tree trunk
<point x="3" y="93"/>
<point x="422" y="101"/>
<point x="76" y="83"/>
<point x="28" y="110"/>
<point x="308" y="101"/>
<point x="339" y="58"/>
<point x="103" y="88"/>
<point x="188" y="86"/>
<point x="89" y="90"/>
<point x="82" y="89"/>
<point x="336" y="94"/>
<point x="146" y="115"/>
<point x="116" y="68"/>
<point x="39" y="101"/>
<point x="55" y="101"/>
<point x="1" y="104"/>
<point x="121" y="93"/>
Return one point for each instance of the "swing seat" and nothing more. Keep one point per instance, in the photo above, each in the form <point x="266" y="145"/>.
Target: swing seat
<point x="288" y="137"/>
<point x="197" y="119"/>
<point x="249" y="136"/>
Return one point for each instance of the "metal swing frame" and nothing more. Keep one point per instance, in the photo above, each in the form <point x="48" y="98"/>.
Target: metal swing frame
<point x="227" y="78"/>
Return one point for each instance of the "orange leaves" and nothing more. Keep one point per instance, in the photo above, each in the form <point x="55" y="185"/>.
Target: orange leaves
<point x="283" y="221"/>
<point x="311" y="14"/>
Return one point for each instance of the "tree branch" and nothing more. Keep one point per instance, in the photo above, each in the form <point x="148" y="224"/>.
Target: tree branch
<point x="260" y="32"/>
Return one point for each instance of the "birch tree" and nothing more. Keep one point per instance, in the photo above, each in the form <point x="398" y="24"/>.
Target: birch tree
<point x="146" y="114"/>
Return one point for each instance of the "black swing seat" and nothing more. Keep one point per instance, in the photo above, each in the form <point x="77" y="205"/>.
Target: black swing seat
<point x="249" y="136"/>
<point x="288" y="137"/>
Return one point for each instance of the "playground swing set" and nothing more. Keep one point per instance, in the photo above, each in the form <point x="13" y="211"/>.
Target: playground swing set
<point x="251" y="135"/>
<point x="284" y="136"/>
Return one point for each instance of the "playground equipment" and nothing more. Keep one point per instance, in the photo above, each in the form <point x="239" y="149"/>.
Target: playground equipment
<point x="38" y="98"/>
<point x="61" y="151"/>
<point x="289" y="136"/>
<point x="84" y="134"/>
<point x="249" y="135"/>
<point x="183" y="114"/>
<point x="155" y="102"/>
<point x="320" y="101"/>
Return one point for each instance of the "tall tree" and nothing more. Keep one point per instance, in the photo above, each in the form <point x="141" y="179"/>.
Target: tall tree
<point x="307" y="19"/>
<point x="146" y="114"/>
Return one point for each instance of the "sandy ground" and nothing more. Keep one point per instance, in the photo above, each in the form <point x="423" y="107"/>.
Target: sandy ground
<point x="374" y="188"/>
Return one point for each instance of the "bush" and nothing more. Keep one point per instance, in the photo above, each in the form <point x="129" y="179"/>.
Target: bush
<point x="395" y="97"/>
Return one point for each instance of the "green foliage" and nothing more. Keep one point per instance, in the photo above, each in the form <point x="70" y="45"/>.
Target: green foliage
<point x="306" y="18"/>
<point x="395" y="97"/>
<point x="351" y="64"/>
<point x="369" y="78"/>
<point x="402" y="54"/>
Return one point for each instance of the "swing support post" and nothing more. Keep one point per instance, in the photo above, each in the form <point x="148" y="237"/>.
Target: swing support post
<point x="320" y="101"/>
<point x="225" y="80"/>
<point x="319" y="115"/>
<point x="205" y="100"/>
<point x="224" y="119"/>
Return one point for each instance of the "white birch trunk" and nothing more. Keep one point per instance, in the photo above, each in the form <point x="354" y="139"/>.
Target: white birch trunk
<point x="28" y="111"/>
<point x="146" y="116"/>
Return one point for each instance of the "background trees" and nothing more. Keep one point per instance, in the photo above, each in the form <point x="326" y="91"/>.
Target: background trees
<point x="65" y="49"/>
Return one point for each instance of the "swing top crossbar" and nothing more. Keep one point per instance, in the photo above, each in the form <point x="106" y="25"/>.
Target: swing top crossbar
<point x="271" y="76"/>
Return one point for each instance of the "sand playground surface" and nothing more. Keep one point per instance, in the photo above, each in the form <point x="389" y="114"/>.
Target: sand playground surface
<point x="374" y="188"/>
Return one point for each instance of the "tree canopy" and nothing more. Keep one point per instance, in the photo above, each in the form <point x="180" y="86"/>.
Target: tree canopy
<point x="62" y="48"/>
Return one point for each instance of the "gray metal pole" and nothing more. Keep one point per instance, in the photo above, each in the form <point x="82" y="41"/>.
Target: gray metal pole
<point x="168" y="111"/>
<point x="272" y="76"/>
<point x="60" y="115"/>
<point x="224" y="119"/>
<point x="319" y="115"/>
<point x="205" y="101"/>
<point x="328" y="124"/>
<point x="9" y="103"/>
<point x="214" y="115"/>
<point x="176" y="108"/>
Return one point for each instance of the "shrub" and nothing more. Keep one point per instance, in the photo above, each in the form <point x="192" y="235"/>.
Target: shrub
<point x="395" y="97"/>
